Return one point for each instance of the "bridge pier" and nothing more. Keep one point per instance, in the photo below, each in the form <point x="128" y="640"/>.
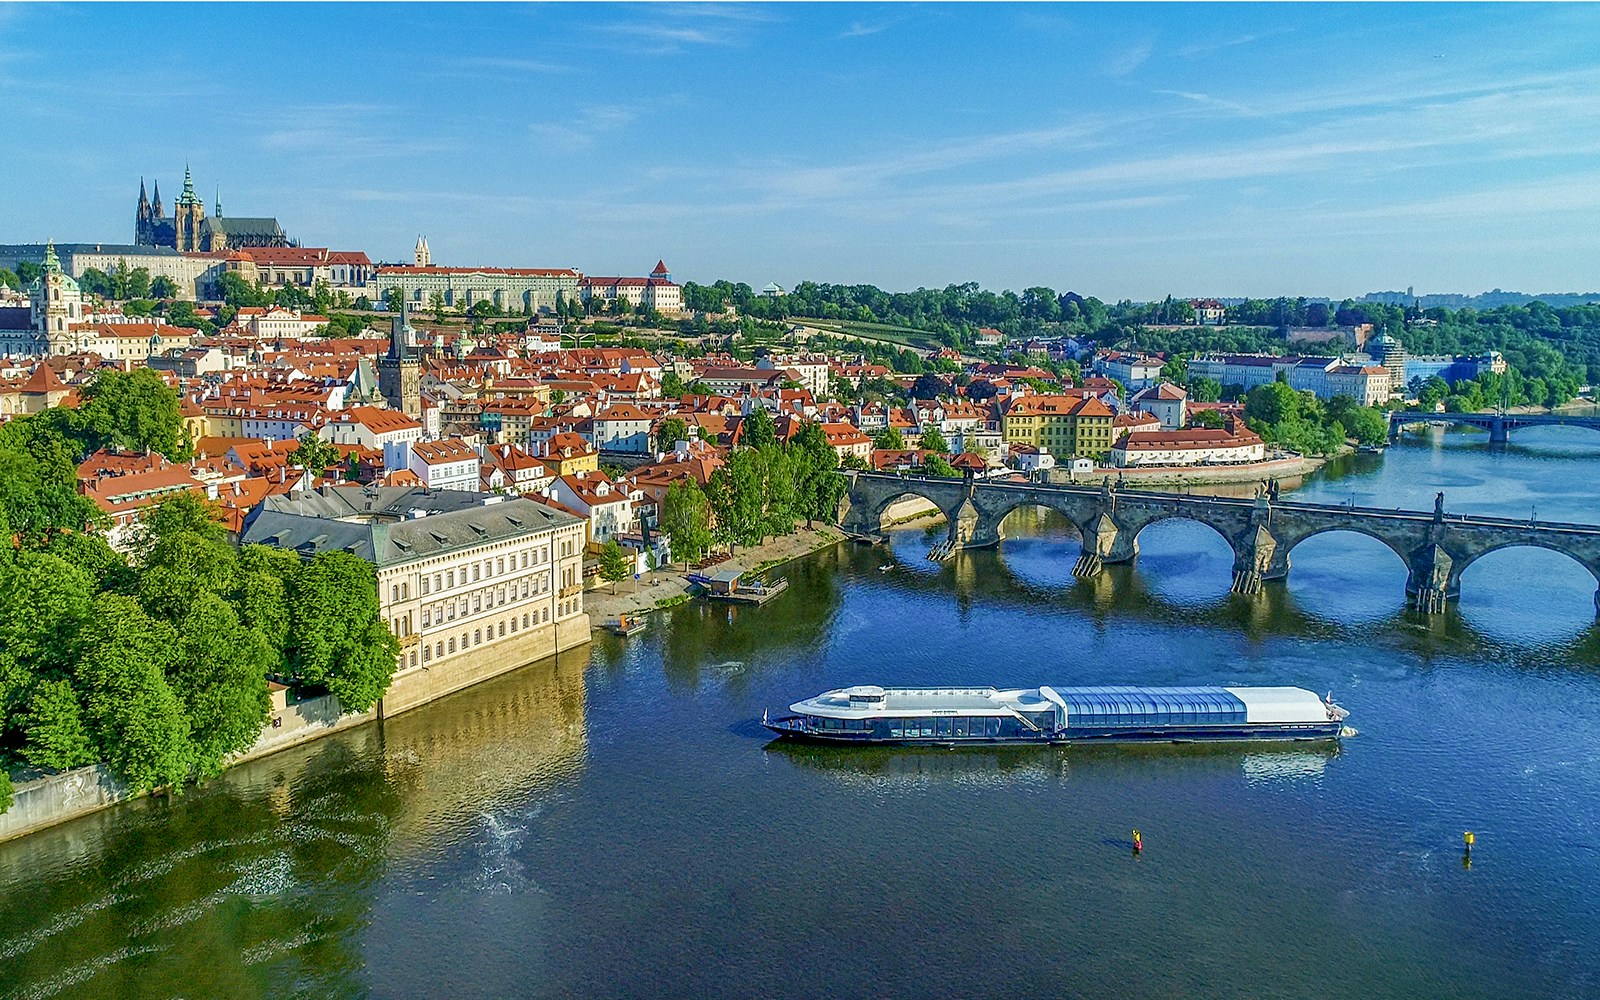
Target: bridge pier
<point x="1432" y="579"/>
<point x="1104" y="542"/>
<point x="1499" y="431"/>
<point x="1257" y="558"/>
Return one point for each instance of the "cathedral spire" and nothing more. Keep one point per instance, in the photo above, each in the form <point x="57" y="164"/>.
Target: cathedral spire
<point x="51" y="261"/>
<point x="188" y="197"/>
<point x="218" y="211"/>
<point x="155" y="205"/>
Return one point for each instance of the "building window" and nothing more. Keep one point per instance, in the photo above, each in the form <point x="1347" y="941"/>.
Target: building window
<point x="451" y="578"/>
<point x="477" y="602"/>
<point x="524" y="560"/>
<point x="424" y="586"/>
<point x="524" y="621"/>
<point x="427" y="617"/>
<point x="452" y="644"/>
<point x="477" y="636"/>
<point x="427" y="653"/>
<point x="502" y="628"/>
<point x="394" y="593"/>
<point x="474" y="572"/>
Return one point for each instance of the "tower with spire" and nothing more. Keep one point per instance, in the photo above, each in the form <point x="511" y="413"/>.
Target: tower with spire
<point x="143" y="231"/>
<point x="187" y="217"/>
<point x="422" y="256"/>
<point x="400" y="370"/>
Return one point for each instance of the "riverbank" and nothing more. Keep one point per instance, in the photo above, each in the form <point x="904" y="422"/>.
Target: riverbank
<point x="670" y="585"/>
<point x="44" y="800"/>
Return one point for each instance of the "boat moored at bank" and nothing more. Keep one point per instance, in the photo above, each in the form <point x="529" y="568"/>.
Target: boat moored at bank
<point x="1103" y="714"/>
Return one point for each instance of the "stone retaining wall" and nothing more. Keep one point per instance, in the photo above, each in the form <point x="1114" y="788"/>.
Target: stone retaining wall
<point x="57" y="798"/>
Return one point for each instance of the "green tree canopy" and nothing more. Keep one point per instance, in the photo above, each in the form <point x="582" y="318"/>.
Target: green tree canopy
<point x="336" y="638"/>
<point x="671" y="431"/>
<point x="758" y="430"/>
<point x="613" y="564"/>
<point x="933" y="440"/>
<point x="889" y="439"/>
<point x="686" y="520"/>
<point x="135" y="718"/>
<point x="133" y="411"/>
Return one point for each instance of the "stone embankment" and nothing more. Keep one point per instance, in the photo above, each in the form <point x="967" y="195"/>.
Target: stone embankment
<point x="45" y="800"/>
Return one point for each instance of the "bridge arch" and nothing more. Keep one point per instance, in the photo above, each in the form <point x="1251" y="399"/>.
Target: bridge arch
<point x="1180" y="515"/>
<point x="869" y="512"/>
<point x="1289" y="542"/>
<point x="1520" y="543"/>
<point x="996" y="512"/>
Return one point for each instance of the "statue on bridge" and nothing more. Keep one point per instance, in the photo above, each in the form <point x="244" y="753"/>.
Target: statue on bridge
<point x="1438" y="507"/>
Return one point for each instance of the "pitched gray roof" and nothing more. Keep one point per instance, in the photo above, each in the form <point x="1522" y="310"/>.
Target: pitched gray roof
<point x="394" y="524"/>
<point x="239" y="225"/>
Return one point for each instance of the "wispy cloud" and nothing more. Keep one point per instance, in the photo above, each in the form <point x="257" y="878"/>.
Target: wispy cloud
<point x="1130" y="58"/>
<point x="505" y="63"/>
<point x="861" y="29"/>
<point x="582" y="130"/>
<point x="671" y="28"/>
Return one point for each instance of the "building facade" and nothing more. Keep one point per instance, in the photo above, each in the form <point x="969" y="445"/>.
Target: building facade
<point x="509" y="289"/>
<point x="459" y="574"/>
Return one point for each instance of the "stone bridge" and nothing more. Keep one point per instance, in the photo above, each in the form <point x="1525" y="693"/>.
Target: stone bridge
<point x="1436" y="547"/>
<point x="1499" y="425"/>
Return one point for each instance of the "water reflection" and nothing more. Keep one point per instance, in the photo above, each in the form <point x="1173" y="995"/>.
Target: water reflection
<point x="1255" y="763"/>
<point x="264" y="875"/>
<point x="1339" y="588"/>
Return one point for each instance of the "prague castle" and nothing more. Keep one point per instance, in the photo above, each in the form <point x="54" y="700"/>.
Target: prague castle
<point x="190" y="230"/>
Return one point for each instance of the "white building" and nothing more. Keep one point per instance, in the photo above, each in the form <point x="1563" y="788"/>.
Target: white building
<point x="1166" y="402"/>
<point x="1230" y="445"/>
<point x="1134" y="371"/>
<point x="457" y="573"/>
<point x="509" y="289"/>
<point x="607" y="506"/>
<point x="371" y="427"/>
<point x="622" y="427"/>
<point x="443" y="465"/>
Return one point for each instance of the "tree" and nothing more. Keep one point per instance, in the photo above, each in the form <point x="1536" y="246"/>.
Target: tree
<point x="759" y="430"/>
<point x="134" y="411"/>
<point x="315" y="455"/>
<point x="336" y="638"/>
<point x="929" y="386"/>
<point x="933" y="440"/>
<point x="54" y="728"/>
<point x="821" y="486"/>
<point x="1205" y="390"/>
<point x="671" y="431"/>
<point x="393" y="300"/>
<point x="436" y="303"/>
<point x="133" y="714"/>
<point x="163" y="287"/>
<point x="1206" y="418"/>
<point x="736" y="499"/>
<point x="672" y="386"/>
<point x="1272" y="403"/>
<point x="180" y="568"/>
<point x="889" y="439"/>
<point x="613" y="565"/>
<point x="38" y="477"/>
<point x="45" y="604"/>
<point x="239" y="293"/>
<point x="686" y="520"/>
<point x="938" y="465"/>
<point x="221" y="678"/>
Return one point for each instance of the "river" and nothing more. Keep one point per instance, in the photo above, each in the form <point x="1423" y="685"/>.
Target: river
<point x="615" y="824"/>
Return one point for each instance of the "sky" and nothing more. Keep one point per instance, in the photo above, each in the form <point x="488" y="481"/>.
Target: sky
<point x="1121" y="151"/>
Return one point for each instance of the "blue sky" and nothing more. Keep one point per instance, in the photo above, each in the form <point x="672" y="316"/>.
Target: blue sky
<point x="1119" y="151"/>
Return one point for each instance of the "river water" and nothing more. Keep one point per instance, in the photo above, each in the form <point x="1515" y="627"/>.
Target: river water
<point x="615" y="824"/>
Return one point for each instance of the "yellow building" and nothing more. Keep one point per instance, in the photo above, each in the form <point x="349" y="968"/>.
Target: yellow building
<point x="568" y="454"/>
<point x="1064" y="425"/>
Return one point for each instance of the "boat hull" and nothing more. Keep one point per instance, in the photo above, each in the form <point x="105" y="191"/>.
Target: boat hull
<point x="787" y="728"/>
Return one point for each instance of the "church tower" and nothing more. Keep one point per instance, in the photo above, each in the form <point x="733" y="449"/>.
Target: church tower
<point x="156" y="213"/>
<point x="187" y="216"/>
<point x="423" y="256"/>
<point x="400" y="371"/>
<point x="57" y="306"/>
<point x="143" y="230"/>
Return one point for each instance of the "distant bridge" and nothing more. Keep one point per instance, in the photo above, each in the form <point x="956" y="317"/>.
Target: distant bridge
<point x="1436" y="547"/>
<point x="1499" y="425"/>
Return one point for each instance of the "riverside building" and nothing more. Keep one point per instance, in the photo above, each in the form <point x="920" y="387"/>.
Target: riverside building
<point x="472" y="584"/>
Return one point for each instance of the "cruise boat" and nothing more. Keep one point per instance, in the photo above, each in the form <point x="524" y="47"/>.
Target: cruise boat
<point x="1107" y="714"/>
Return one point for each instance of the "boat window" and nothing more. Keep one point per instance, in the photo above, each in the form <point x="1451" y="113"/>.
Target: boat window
<point x="897" y="729"/>
<point x="925" y="727"/>
<point x="942" y="726"/>
<point x="958" y="727"/>
<point x="991" y="726"/>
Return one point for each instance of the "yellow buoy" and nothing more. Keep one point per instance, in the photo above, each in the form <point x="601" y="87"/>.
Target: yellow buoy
<point x="1138" y="841"/>
<point x="1468" y="838"/>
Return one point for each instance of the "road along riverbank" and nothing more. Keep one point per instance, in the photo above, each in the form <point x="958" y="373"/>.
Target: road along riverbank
<point x="670" y="585"/>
